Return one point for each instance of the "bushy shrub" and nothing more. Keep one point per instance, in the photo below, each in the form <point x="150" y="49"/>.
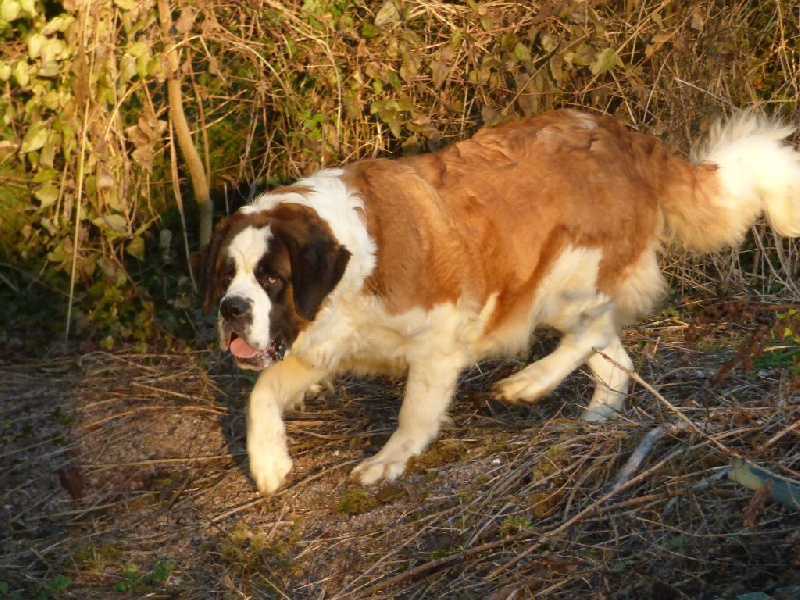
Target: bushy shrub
<point x="276" y="89"/>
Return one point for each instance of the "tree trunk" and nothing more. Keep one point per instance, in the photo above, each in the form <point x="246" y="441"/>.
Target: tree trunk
<point x="190" y="154"/>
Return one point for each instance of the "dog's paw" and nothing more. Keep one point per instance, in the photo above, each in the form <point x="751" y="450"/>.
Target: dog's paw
<point x="379" y="468"/>
<point x="605" y="404"/>
<point x="269" y="465"/>
<point x="526" y="386"/>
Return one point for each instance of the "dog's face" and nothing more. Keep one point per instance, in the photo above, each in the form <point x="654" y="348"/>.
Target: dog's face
<point x="269" y="271"/>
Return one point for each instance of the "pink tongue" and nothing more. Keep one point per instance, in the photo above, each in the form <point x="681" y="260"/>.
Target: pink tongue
<point x="241" y="349"/>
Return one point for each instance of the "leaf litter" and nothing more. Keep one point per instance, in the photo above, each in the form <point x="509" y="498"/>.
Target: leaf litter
<point x="114" y="465"/>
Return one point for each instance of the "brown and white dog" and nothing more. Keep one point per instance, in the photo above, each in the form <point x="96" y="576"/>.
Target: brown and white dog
<point x="422" y="266"/>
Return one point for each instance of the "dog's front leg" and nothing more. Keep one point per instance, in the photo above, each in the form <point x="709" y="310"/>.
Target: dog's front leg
<point x="279" y="386"/>
<point x="429" y="391"/>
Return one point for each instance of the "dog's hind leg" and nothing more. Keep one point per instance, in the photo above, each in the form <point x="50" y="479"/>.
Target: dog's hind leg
<point x="587" y="326"/>
<point x="611" y="381"/>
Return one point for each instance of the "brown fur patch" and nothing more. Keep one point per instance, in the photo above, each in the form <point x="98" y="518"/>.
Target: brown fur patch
<point x="489" y="215"/>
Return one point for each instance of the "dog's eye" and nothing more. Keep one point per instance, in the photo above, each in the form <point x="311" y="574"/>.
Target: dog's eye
<point x="267" y="277"/>
<point x="269" y="282"/>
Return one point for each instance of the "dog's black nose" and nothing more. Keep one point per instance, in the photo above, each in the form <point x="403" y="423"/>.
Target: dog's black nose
<point x="234" y="308"/>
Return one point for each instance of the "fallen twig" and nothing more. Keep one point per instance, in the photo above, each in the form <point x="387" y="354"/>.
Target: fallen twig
<point x="638" y="455"/>
<point x="671" y="408"/>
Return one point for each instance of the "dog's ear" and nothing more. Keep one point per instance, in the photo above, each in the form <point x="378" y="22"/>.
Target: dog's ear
<point x="317" y="259"/>
<point x="205" y="267"/>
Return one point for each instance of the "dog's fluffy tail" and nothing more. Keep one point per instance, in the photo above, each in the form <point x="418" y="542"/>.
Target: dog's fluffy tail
<point x="744" y="170"/>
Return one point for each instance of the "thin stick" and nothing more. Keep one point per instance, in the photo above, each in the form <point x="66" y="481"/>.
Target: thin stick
<point x="176" y="189"/>
<point x="594" y="507"/>
<point x="78" y="197"/>
<point x="642" y="450"/>
<point x="779" y="435"/>
<point x="694" y="428"/>
<point x="259" y="499"/>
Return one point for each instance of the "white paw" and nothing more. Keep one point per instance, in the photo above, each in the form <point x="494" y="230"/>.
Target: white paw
<point x="269" y="464"/>
<point x="379" y="468"/>
<point x="605" y="404"/>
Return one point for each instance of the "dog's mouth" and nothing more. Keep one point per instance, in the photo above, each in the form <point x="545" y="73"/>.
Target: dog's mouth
<point x="247" y="356"/>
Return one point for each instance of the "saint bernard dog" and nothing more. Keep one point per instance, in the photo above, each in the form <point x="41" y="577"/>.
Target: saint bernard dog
<point x="422" y="266"/>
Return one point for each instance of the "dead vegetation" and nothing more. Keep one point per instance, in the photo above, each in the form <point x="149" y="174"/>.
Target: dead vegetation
<point x="126" y="474"/>
<point x="274" y="89"/>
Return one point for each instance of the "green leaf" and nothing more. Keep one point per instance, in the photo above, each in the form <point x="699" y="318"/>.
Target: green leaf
<point x="377" y="106"/>
<point x="137" y="49"/>
<point x="45" y="175"/>
<point x="136" y="248"/>
<point x="604" y="61"/>
<point x="35" y="138"/>
<point x="127" y="67"/>
<point x="50" y="149"/>
<point x="142" y="64"/>
<point x="49" y="70"/>
<point x="522" y="53"/>
<point x="114" y="222"/>
<point x="162" y="570"/>
<point x="387" y="14"/>
<point x="10" y="10"/>
<point x="21" y="72"/>
<point x="35" y="43"/>
<point x="404" y="103"/>
<point x="58" y="24"/>
<point x="155" y="68"/>
<point x="58" y="253"/>
<point x="369" y="30"/>
<point x="455" y="39"/>
<point x="47" y="194"/>
<point x="394" y="81"/>
<point x="51" y="100"/>
<point x="59" y="583"/>
<point x="54" y="49"/>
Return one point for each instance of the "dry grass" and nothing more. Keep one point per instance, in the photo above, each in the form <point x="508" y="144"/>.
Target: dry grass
<point x="434" y="71"/>
<point x="127" y="474"/>
<point x="314" y="89"/>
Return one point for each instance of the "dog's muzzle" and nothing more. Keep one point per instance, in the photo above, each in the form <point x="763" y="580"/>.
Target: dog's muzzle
<point x="237" y="317"/>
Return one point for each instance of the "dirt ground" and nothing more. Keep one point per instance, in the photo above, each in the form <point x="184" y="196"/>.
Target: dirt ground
<point x="125" y="475"/>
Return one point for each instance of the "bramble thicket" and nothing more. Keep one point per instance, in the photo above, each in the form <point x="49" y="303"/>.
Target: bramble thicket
<point x="121" y="118"/>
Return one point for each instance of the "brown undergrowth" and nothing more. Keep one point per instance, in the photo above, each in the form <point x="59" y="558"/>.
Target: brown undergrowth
<point x="125" y="475"/>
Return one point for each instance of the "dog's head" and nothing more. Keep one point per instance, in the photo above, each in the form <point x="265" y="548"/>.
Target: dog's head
<point x="269" y="272"/>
